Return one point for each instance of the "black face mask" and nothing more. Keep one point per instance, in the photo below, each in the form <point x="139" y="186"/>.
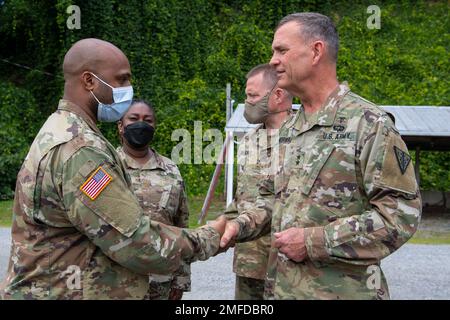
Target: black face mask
<point x="139" y="134"/>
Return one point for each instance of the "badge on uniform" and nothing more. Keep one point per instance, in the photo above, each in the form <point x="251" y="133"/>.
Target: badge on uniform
<point x="95" y="184"/>
<point x="403" y="159"/>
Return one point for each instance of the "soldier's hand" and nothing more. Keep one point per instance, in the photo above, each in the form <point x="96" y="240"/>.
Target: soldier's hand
<point x="218" y="224"/>
<point x="229" y="236"/>
<point x="291" y="242"/>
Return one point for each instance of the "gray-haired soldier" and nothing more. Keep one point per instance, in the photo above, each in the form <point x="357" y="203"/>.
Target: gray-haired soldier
<point x="346" y="195"/>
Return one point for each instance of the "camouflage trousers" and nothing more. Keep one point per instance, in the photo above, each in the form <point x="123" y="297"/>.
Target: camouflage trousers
<point x="249" y="289"/>
<point x="158" y="290"/>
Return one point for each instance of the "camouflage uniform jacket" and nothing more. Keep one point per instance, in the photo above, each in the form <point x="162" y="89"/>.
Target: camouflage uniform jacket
<point x="250" y="258"/>
<point x="159" y="187"/>
<point x="345" y="177"/>
<point x="66" y="245"/>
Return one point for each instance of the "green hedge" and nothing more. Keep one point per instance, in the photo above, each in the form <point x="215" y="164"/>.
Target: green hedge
<point x="183" y="53"/>
<point x="18" y="111"/>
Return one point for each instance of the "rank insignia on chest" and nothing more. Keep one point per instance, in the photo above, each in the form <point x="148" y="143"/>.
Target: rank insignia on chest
<point x="95" y="184"/>
<point x="403" y="159"/>
<point x="338" y="128"/>
<point x="285" y="139"/>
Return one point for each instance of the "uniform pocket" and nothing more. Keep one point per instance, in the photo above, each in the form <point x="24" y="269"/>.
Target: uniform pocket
<point x="165" y="196"/>
<point x="305" y="173"/>
<point x="313" y="165"/>
<point x="326" y="176"/>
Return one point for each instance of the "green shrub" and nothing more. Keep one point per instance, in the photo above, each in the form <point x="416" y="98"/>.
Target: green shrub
<point x="182" y="54"/>
<point x="17" y="129"/>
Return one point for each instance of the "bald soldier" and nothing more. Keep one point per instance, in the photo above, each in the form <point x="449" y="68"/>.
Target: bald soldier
<point x="78" y="231"/>
<point x="268" y="106"/>
<point x="345" y="195"/>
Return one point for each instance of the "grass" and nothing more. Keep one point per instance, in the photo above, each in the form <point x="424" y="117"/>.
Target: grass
<point x="6" y="213"/>
<point x="195" y="207"/>
<point x="430" y="237"/>
<point x="217" y="207"/>
<point x="195" y="204"/>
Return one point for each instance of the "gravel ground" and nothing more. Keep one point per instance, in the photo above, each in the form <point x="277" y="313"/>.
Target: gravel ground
<point x="5" y="243"/>
<point x="413" y="272"/>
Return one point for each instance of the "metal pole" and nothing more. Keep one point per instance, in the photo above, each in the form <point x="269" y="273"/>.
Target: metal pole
<point x="228" y="114"/>
<point x="230" y="167"/>
<point x="228" y="101"/>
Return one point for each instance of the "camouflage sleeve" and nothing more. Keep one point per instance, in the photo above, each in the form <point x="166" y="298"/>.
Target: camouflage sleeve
<point x="255" y="213"/>
<point x="182" y="277"/>
<point x="248" y="213"/>
<point x="254" y="191"/>
<point x="231" y="210"/>
<point x="387" y="178"/>
<point x="181" y="219"/>
<point x="114" y="221"/>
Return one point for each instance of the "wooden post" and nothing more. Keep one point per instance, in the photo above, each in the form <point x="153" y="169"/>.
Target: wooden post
<point x="416" y="165"/>
<point x="214" y="180"/>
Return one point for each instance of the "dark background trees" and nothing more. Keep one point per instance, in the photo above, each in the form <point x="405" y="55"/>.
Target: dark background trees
<point x="183" y="53"/>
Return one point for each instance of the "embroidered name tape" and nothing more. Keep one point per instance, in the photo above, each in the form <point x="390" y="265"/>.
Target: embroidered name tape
<point x="95" y="184"/>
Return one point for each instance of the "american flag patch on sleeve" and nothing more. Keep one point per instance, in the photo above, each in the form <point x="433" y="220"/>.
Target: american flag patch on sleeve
<point x="95" y="184"/>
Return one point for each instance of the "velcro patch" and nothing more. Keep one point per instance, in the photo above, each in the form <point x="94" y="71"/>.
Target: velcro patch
<point x="403" y="180"/>
<point x="95" y="184"/>
<point x="403" y="159"/>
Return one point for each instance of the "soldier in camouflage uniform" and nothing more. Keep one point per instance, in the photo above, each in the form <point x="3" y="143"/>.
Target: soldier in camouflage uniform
<point x="268" y="106"/>
<point x="159" y="187"/>
<point x="346" y="194"/>
<point x="78" y="231"/>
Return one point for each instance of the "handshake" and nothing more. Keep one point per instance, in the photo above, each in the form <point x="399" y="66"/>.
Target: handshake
<point x="290" y="242"/>
<point x="228" y="230"/>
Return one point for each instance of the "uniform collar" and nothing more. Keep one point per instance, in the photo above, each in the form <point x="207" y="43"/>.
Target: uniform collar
<point x="155" y="162"/>
<point x="325" y="115"/>
<point x="66" y="105"/>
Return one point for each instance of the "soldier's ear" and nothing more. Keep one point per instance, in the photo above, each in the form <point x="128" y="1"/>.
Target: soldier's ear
<point x="88" y="80"/>
<point x="279" y="95"/>
<point x="318" y="48"/>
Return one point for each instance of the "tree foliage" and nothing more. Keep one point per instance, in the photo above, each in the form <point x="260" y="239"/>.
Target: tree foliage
<point x="183" y="53"/>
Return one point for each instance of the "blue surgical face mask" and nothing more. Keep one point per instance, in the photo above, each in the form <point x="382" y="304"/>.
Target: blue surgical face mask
<point x="122" y="98"/>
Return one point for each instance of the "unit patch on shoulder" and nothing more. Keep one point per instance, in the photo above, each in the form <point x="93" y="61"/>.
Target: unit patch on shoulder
<point x="403" y="159"/>
<point x="95" y="184"/>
